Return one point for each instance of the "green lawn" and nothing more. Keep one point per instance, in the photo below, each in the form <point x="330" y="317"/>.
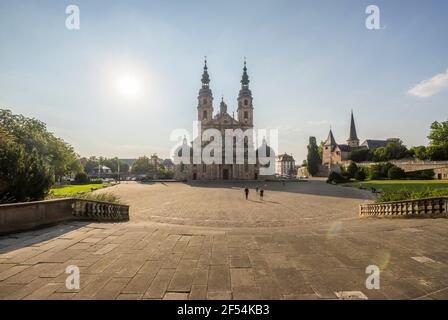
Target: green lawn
<point x="410" y="185"/>
<point x="72" y="190"/>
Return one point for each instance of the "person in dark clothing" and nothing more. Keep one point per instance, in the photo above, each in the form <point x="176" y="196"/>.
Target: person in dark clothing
<point x="246" y="191"/>
<point x="256" y="189"/>
<point x="261" y="194"/>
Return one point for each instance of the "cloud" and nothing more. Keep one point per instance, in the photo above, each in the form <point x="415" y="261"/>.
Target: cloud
<point x="430" y="87"/>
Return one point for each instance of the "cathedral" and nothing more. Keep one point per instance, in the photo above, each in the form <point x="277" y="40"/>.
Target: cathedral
<point x="222" y="121"/>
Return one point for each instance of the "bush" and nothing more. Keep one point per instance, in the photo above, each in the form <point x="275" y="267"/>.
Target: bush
<point x="380" y="171"/>
<point x="396" y="173"/>
<point x="82" y="178"/>
<point x="360" y="175"/>
<point x="335" y="177"/>
<point x="360" y="155"/>
<point x="24" y="176"/>
<point x="352" y="169"/>
<point x="421" y="175"/>
<point x="105" y="197"/>
<point x="405" y="194"/>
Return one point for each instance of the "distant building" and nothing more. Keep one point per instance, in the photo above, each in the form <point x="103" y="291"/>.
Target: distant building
<point x="168" y="164"/>
<point x="334" y="153"/>
<point x="285" y="165"/>
<point x="99" y="170"/>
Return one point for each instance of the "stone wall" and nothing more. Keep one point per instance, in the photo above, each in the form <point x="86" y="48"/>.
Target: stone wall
<point x="30" y="215"/>
<point x="425" y="208"/>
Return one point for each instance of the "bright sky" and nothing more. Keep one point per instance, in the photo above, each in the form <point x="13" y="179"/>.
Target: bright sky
<point x="131" y="74"/>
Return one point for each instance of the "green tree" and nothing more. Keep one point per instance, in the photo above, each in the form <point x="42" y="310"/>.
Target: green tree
<point x="360" y="155"/>
<point x="82" y="178"/>
<point x="321" y="149"/>
<point x="313" y="159"/>
<point x="396" y="173"/>
<point x="33" y="135"/>
<point x="437" y="152"/>
<point x="24" y="176"/>
<point x="142" y="165"/>
<point x="90" y="164"/>
<point x="113" y="165"/>
<point x="419" y="152"/>
<point x="438" y="134"/>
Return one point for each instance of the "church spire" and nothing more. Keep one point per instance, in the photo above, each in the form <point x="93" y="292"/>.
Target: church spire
<point x="245" y="91"/>
<point x="205" y="77"/>
<point x="331" y="141"/>
<point x="353" y="140"/>
<point x="353" y="135"/>
<point x="205" y="90"/>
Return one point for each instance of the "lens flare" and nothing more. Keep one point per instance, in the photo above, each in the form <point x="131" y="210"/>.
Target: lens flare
<point x="334" y="229"/>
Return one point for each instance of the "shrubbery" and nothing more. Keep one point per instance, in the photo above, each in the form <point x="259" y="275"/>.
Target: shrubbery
<point x="104" y="196"/>
<point x="406" y="194"/>
<point x="396" y="173"/>
<point x="421" y="175"/>
<point x="24" y="176"/>
<point x="360" y="175"/>
<point x="82" y="178"/>
<point x="335" y="177"/>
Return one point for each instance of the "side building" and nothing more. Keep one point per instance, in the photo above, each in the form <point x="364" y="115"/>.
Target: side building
<point x="334" y="153"/>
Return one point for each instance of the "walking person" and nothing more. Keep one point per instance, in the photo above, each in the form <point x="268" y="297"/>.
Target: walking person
<point x="261" y="194"/>
<point x="257" y="188"/>
<point x="246" y="192"/>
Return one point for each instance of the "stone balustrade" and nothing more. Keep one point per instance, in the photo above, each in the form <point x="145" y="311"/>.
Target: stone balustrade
<point x="100" y="211"/>
<point x="17" y="217"/>
<point x="425" y="208"/>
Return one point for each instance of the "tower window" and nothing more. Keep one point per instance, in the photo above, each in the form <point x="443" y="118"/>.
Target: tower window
<point x="246" y="115"/>
<point x="204" y="115"/>
<point x="246" y="102"/>
<point x="204" y="101"/>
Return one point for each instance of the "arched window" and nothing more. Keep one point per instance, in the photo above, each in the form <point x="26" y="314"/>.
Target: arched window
<point x="204" y="115"/>
<point x="246" y="102"/>
<point x="246" y="115"/>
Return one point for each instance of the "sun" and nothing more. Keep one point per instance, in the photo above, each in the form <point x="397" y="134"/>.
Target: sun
<point x="129" y="86"/>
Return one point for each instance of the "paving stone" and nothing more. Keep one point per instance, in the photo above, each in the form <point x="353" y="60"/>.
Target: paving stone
<point x="242" y="277"/>
<point x="175" y="296"/>
<point x="185" y="243"/>
<point x="219" y="279"/>
<point x="11" y="272"/>
<point x="198" y="292"/>
<point x="226" y="295"/>
<point x="159" y="284"/>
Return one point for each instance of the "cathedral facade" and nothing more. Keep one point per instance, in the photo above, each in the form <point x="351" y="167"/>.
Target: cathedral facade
<point x="222" y="121"/>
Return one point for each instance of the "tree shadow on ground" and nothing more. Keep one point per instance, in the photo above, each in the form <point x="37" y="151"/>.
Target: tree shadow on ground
<point x="15" y="241"/>
<point x="312" y="187"/>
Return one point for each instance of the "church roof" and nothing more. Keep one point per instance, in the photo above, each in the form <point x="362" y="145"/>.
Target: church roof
<point x="374" y="144"/>
<point x="330" y="140"/>
<point x="345" y="147"/>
